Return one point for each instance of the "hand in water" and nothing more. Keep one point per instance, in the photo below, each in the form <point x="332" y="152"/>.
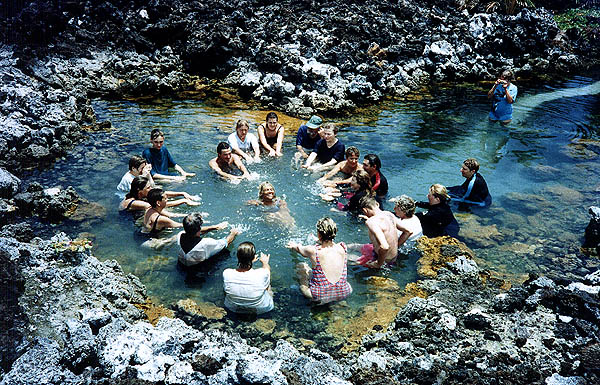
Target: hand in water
<point x="188" y="174"/>
<point x="222" y="225"/>
<point x="190" y="202"/>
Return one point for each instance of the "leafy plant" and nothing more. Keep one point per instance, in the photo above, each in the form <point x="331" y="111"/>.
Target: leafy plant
<point x="578" y="18"/>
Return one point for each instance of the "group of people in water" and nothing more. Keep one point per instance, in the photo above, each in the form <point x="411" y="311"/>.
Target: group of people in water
<point x="360" y="188"/>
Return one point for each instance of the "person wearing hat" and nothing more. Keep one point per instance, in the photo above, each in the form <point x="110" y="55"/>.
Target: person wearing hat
<point x="308" y="135"/>
<point x="438" y="220"/>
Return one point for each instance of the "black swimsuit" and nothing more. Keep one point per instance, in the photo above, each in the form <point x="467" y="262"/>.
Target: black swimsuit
<point x="153" y="232"/>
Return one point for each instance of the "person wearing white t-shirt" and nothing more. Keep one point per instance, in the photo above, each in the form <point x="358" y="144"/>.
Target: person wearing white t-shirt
<point x="248" y="290"/>
<point x="244" y="143"/>
<point x="137" y="166"/>
<point x="408" y="225"/>
<point x="193" y="248"/>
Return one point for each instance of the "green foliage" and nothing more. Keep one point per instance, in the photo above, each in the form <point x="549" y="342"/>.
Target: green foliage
<point x="510" y="7"/>
<point x="577" y="18"/>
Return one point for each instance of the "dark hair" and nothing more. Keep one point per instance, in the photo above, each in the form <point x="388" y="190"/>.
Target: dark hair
<point x="156" y="133"/>
<point x="192" y="223"/>
<point x="271" y="115"/>
<point x="245" y="255"/>
<point x="135" y="162"/>
<point x="222" y="146"/>
<point x="374" y="161"/>
<point x="137" y="184"/>
<point x="352" y="151"/>
<point x="154" y="196"/>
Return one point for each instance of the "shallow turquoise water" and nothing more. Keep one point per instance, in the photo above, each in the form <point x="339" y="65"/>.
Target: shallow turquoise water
<point x="420" y="143"/>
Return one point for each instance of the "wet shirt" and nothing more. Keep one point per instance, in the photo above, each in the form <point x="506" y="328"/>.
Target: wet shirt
<point x="501" y="109"/>
<point x="438" y="220"/>
<point x="246" y="292"/>
<point x="250" y="142"/>
<point x="479" y="192"/>
<point x="304" y="140"/>
<point x="325" y="154"/>
<point x="380" y="184"/>
<point x="160" y="160"/>
<point x="191" y="254"/>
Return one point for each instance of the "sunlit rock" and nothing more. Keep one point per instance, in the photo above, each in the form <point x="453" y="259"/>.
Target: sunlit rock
<point x="204" y="309"/>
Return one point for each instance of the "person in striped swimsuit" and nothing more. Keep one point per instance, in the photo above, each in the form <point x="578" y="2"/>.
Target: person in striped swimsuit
<point x="326" y="281"/>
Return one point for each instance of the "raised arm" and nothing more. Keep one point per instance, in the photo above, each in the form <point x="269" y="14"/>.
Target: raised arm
<point x="264" y="259"/>
<point x="305" y="251"/>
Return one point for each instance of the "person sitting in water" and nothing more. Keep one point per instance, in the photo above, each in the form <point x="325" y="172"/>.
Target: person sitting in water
<point x="278" y="208"/>
<point x="270" y="135"/>
<point x="155" y="218"/>
<point x="137" y="166"/>
<point x="438" y="220"/>
<point x="408" y="225"/>
<point x="361" y="185"/>
<point x="193" y="248"/>
<point x="248" y="290"/>
<point x="328" y="151"/>
<point x="308" y="135"/>
<point x="503" y="95"/>
<point x="474" y="191"/>
<point x="136" y="200"/>
<point x="346" y="167"/>
<point x="244" y="143"/>
<point x="225" y="164"/>
<point x="327" y="280"/>
<point x="383" y="234"/>
<point x="160" y="159"/>
<point x="372" y="165"/>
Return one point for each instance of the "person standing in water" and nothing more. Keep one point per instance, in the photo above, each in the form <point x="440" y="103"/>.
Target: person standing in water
<point x="503" y="94"/>
<point x="270" y="135"/>
<point x="244" y="143"/>
<point x="160" y="159"/>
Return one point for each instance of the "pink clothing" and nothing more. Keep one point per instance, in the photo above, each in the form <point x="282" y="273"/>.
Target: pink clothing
<point x="324" y="291"/>
<point x="368" y="254"/>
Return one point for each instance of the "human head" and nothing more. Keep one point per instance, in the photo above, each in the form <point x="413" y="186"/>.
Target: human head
<point x="263" y="187"/>
<point x="245" y="255"/>
<point x="314" y="122"/>
<point x="222" y="146"/>
<point x="138" y="184"/>
<point x="351" y="150"/>
<point x="368" y="205"/>
<point x="137" y="164"/>
<point x="272" y="120"/>
<point x="373" y="161"/>
<point x="469" y="167"/>
<point x="157" y="138"/>
<point x="155" y="196"/>
<point x="326" y="229"/>
<point x="192" y="223"/>
<point x="508" y="75"/>
<point x="438" y="191"/>
<point x="405" y="204"/>
<point x="363" y="180"/>
<point x="330" y="127"/>
<point x="242" y="127"/>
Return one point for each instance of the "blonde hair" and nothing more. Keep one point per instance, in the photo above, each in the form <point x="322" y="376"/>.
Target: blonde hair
<point x="240" y="123"/>
<point x="406" y="204"/>
<point x="327" y="228"/>
<point x="262" y="187"/>
<point x="440" y="192"/>
<point x="330" y="127"/>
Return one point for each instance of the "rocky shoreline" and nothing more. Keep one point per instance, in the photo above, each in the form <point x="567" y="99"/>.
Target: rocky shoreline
<point x="69" y="319"/>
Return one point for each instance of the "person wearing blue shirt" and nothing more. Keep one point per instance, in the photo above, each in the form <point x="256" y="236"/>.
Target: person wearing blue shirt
<point x="474" y="191"/>
<point x="161" y="160"/>
<point x="503" y="94"/>
<point x="308" y="135"/>
<point x="328" y="151"/>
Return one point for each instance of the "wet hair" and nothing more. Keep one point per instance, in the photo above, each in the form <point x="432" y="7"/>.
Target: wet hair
<point x="222" y="146"/>
<point x="192" y="223"/>
<point x="241" y="123"/>
<point x="156" y="133"/>
<point x="245" y="255"/>
<point x="439" y="191"/>
<point x="135" y="162"/>
<point x="330" y="126"/>
<point x="154" y="196"/>
<point x="137" y="184"/>
<point x="363" y="180"/>
<point x="508" y="75"/>
<point x="262" y="187"/>
<point x="406" y="204"/>
<point x="368" y="202"/>
<point x="472" y="164"/>
<point x="271" y="115"/>
<point x="327" y="229"/>
<point x="374" y="161"/>
<point x="352" y="151"/>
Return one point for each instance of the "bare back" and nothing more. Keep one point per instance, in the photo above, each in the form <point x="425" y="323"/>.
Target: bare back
<point x="333" y="260"/>
<point x="384" y="222"/>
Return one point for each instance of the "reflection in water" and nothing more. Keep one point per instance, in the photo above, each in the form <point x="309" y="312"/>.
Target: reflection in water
<point x="542" y="180"/>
